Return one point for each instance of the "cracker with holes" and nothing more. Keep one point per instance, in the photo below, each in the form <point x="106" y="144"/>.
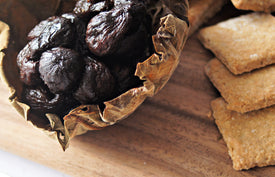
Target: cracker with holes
<point x="202" y="10"/>
<point x="246" y="92"/>
<point x="249" y="137"/>
<point x="255" y="5"/>
<point x="243" y="43"/>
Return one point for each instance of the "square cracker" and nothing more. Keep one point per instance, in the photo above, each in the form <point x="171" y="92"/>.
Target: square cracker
<point x="243" y="43"/>
<point x="255" y="5"/>
<point x="250" y="137"/>
<point x="246" y="92"/>
<point x="202" y="10"/>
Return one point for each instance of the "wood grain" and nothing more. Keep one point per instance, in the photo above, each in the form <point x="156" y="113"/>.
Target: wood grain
<point x="170" y="135"/>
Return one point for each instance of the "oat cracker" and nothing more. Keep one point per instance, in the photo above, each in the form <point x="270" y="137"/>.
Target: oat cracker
<point x="246" y="92"/>
<point x="250" y="137"/>
<point x="255" y="5"/>
<point x="243" y="43"/>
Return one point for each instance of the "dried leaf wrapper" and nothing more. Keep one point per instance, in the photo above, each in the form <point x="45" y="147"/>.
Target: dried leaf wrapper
<point x="168" y="42"/>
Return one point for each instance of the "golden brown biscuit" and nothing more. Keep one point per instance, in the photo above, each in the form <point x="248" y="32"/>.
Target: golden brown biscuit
<point x="246" y="92"/>
<point x="255" y="5"/>
<point x="250" y="137"/>
<point x="202" y="10"/>
<point x="243" y="43"/>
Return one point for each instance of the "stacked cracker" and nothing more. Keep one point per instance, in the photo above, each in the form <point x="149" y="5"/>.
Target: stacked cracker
<point x="202" y="10"/>
<point x="255" y="5"/>
<point x="245" y="77"/>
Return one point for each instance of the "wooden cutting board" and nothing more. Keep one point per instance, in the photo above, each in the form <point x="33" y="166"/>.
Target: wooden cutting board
<point x="170" y="135"/>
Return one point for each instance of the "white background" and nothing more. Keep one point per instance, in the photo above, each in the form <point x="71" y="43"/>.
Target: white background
<point x="15" y="166"/>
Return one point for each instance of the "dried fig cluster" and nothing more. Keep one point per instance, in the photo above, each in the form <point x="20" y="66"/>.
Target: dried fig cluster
<point x="93" y="67"/>
<point x="85" y="57"/>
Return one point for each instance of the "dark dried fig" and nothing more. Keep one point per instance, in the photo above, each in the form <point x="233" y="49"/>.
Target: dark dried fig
<point x="42" y="100"/>
<point x="40" y="27"/>
<point x="106" y="30"/>
<point x="97" y="83"/>
<point x="80" y="26"/>
<point x="60" y="69"/>
<point x="122" y="2"/>
<point x="54" y="31"/>
<point x="86" y="7"/>
<point x="29" y="72"/>
<point x="27" y="61"/>
<point x="71" y="16"/>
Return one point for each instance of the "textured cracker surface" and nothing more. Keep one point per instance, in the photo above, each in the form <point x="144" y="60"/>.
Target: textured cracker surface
<point x="243" y="43"/>
<point x="255" y="5"/>
<point x="246" y="92"/>
<point x="250" y="137"/>
<point x="202" y="10"/>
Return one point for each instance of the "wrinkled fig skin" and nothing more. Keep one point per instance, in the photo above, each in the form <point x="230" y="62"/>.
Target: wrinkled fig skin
<point x="42" y="100"/>
<point x="60" y="69"/>
<point x="27" y="61"/>
<point x="107" y="29"/>
<point x="123" y="2"/>
<point x="29" y="72"/>
<point x="53" y="32"/>
<point x="97" y="83"/>
<point x="71" y="16"/>
<point x="92" y="7"/>
<point x="39" y="28"/>
<point x="80" y="27"/>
